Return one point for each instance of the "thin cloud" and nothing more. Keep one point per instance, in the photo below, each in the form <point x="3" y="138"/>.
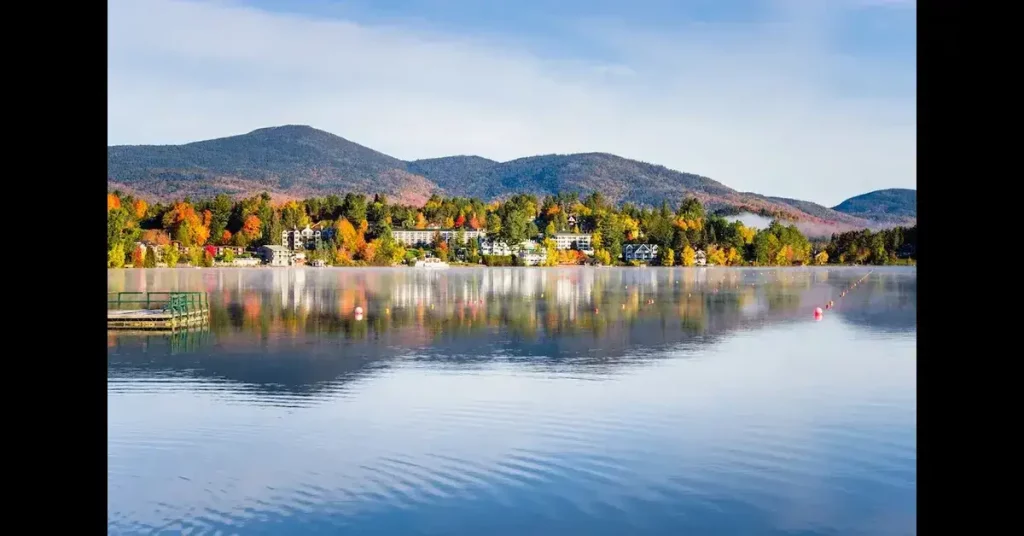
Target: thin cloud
<point x="749" y="106"/>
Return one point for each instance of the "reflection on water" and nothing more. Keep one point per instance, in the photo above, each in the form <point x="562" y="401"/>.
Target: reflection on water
<point x="519" y="400"/>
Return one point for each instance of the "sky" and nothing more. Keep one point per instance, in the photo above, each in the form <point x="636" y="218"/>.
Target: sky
<point x="813" y="100"/>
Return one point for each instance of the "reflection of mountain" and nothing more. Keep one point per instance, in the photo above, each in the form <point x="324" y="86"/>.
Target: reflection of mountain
<point x="295" y="331"/>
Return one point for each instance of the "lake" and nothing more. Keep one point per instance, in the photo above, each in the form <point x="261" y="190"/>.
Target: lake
<point x="515" y="401"/>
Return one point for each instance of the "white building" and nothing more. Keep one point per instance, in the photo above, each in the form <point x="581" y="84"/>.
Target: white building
<point x="640" y="252"/>
<point x="425" y="237"/>
<point x="296" y="239"/>
<point x="700" y="258"/>
<point x="578" y="241"/>
<point x="500" y="248"/>
<point x="277" y="255"/>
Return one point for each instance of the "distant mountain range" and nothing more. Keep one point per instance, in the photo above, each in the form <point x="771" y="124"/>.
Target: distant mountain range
<point x="296" y="161"/>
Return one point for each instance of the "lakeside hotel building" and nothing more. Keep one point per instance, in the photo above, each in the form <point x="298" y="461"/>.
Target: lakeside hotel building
<point x="424" y="237"/>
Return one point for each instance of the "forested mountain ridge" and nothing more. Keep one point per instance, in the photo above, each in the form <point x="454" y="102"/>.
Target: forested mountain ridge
<point x="297" y="161"/>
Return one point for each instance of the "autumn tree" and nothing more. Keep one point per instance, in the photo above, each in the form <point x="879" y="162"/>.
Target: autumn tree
<point x="460" y="221"/>
<point x="252" y="228"/>
<point x="195" y="256"/>
<point x="113" y="202"/>
<point x="115" y="256"/>
<point x="668" y="257"/>
<point x="187" y="227"/>
<point x="139" y="208"/>
<point x="689" y="256"/>
<point x="717" y="255"/>
<point x="171" y="256"/>
<point x="821" y="258"/>
<point x="150" y="260"/>
<point x="138" y="256"/>
<point x="225" y="238"/>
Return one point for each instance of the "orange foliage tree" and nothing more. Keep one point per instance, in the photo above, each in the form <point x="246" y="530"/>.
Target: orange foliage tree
<point x="140" y="207"/>
<point x="252" y="228"/>
<point x="156" y="236"/>
<point x="113" y="202"/>
<point x="138" y="256"/>
<point x="188" y="227"/>
<point x="225" y="237"/>
<point x="474" y="223"/>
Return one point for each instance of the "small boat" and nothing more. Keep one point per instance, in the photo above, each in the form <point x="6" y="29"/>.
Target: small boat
<point x="431" y="262"/>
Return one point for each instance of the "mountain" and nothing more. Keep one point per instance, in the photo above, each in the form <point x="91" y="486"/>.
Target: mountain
<point x="296" y="161"/>
<point x="895" y="205"/>
<point x="293" y="160"/>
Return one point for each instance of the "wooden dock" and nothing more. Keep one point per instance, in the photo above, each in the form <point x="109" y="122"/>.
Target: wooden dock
<point x="157" y="310"/>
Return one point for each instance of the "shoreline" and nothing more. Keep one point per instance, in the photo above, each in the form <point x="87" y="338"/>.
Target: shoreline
<point x="463" y="266"/>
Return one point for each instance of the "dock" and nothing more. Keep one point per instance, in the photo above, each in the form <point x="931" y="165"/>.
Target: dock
<point x="157" y="310"/>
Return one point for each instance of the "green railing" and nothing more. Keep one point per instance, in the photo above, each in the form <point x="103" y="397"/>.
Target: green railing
<point x="176" y="303"/>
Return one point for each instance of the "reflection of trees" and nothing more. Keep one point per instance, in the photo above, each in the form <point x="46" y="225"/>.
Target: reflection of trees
<point x="264" y="321"/>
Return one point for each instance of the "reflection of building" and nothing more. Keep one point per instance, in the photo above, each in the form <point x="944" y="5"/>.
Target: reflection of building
<point x="277" y="255"/>
<point x="700" y="258"/>
<point x="307" y="238"/>
<point x="579" y="241"/>
<point x="425" y="237"/>
<point x="640" y="252"/>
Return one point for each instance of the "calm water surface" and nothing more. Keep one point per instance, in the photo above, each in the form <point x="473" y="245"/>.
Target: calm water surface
<point x="519" y="401"/>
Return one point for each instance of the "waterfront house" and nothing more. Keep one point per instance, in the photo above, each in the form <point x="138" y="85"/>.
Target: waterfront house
<point x="700" y="258"/>
<point x="277" y="255"/>
<point x="246" y="261"/>
<point x="639" y="252"/>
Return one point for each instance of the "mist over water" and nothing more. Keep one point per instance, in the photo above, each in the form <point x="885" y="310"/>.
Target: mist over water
<point x="519" y="401"/>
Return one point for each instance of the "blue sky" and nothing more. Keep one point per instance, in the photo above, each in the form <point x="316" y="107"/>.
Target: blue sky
<point x="795" y="98"/>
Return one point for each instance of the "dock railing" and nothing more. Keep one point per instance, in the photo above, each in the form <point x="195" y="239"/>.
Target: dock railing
<point x="181" y="302"/>
<point x="182" y="308"/>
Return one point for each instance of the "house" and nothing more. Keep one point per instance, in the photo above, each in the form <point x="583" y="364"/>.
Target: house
<point x="578" y="241"/>
<point x="494" y="247"/>
<point x="425" y="237"/>
<point x="572" y="220"/>
<point x="277" y="255"/>
<point x="246" y="261"/>
<point x="237" y="250"/>
<point x="639" y="252"/>
<point x="500" y="248"/>
<point x="700" y="258"/>
<point x="306" y="238"/>
<point x="319" y="263"/>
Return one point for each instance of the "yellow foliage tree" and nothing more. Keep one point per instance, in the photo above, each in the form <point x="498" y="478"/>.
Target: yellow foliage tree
<point x="784" y="256"/>
<point x="668" y="257"/>
<point x="689" y="256"/>
<point x="733" y="257"/>
<point x="821" y="258"/>
<point x="717" y="255"/>
<point x="747" y="233"/>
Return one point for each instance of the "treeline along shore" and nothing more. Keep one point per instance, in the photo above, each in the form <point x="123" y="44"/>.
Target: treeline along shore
<point x="358" y="230"/>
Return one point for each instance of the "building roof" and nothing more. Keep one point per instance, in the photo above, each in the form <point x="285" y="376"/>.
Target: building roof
<point x="277" y="248"/>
